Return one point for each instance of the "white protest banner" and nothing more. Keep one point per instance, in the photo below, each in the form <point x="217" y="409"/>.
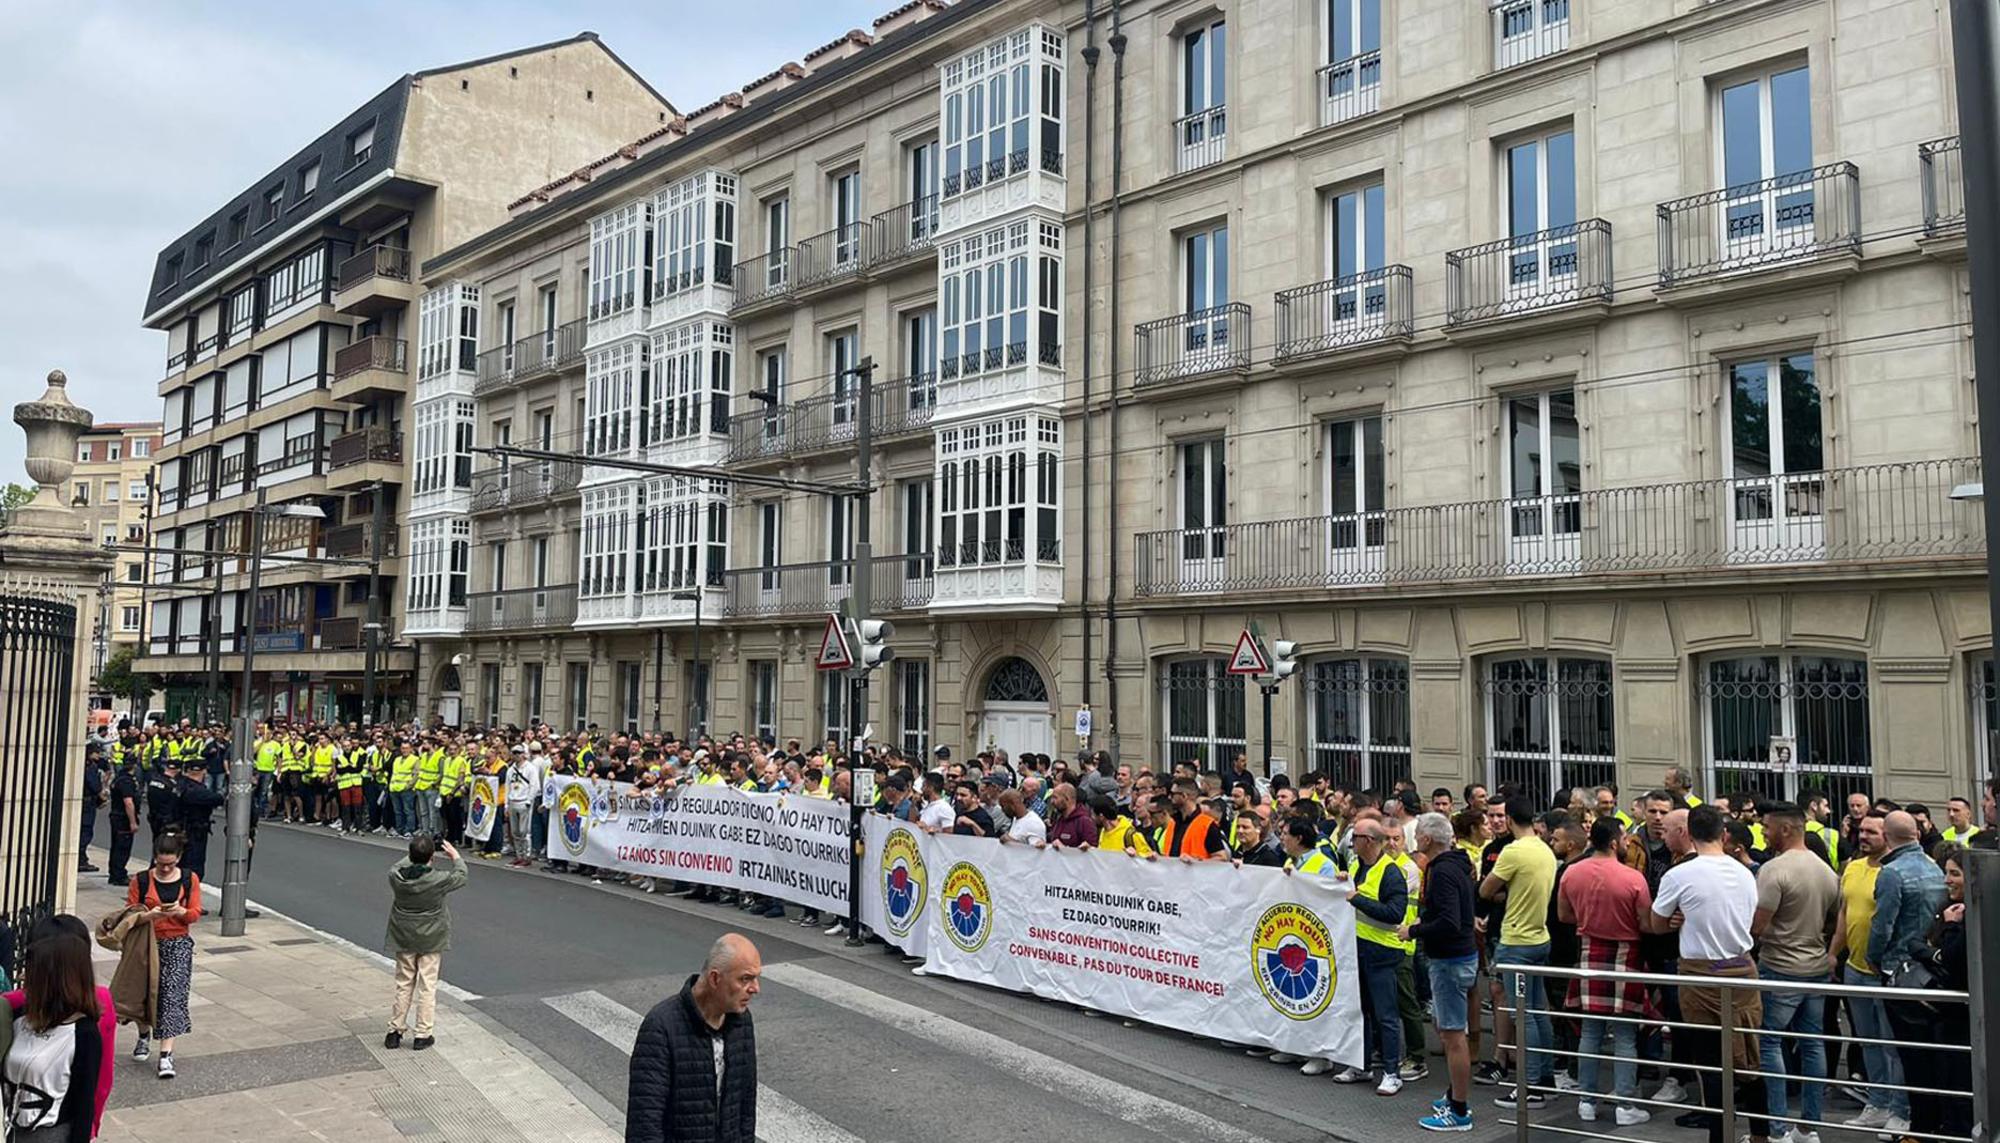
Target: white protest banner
<point x="483" y="802"/>
<point x="1246" y="955"/>
<point x="895" y="889"/>
<point x="781" y="845"/>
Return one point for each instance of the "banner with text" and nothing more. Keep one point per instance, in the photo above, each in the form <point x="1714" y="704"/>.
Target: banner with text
<point x="781" y="845"/>
<point x="895" y="901"/>
<point x="483" y="805"/>
<point x="1246" y="955"/>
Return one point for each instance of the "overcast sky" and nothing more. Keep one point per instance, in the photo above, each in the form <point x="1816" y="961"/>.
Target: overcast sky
<point x="128" y="122"/>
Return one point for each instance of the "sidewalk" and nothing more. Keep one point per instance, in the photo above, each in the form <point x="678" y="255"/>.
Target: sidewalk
<point x="287" y="1044"/>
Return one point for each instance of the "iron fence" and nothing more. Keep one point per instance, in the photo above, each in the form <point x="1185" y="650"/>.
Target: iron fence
<point x="1560" y="266"/>
<point x="1869" y="513"/>
<point x="1525" y="30"/>
<point x="521" y="608"/>
<point x="38" y="640"/>
<point x="524" y="483"/>
<point x="1213" y="340"/>
<point x="1793" y="217"/>
<point x="1325" y="316"/>
<point x="1944" y="185"/>
<point x="831" y="420"/>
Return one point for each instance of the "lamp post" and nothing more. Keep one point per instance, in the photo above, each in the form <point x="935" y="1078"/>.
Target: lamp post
<point x="694" y="674"/>
<point x="236" y="869"/>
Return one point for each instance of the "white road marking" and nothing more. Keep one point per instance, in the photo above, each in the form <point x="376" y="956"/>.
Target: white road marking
<point x="1087" y="1090"/>
<point x="779" y="1120"/>
<point x="451" y="990"/>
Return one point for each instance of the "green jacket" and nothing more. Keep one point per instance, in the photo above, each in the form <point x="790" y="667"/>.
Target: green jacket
<point x="419" y="921"/>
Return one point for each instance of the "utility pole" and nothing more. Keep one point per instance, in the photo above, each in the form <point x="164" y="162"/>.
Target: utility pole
<point x="859" y="601"/>
<point x="236" y="867"/>
<point x="371" y="631"/>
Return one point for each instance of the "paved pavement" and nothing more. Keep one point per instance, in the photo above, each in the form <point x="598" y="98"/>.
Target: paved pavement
<point x="549" y="976"/>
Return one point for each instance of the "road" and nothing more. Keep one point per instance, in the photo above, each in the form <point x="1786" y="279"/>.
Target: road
<point x="851" y="1044"/>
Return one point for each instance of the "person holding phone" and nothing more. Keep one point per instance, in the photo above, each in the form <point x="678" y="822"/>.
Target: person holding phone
<point x="171" y="896"/>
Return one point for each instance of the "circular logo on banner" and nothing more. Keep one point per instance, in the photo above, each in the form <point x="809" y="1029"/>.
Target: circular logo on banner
<point x="1291" y="955"/>
<point x="480" y="808"/>
<point x="573" y="818"/>
<point x="968" y="907"/>
<point x="903" y="881"/>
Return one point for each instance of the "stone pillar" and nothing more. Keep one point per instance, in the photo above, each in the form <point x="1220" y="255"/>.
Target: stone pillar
<point x="48" y="554"/>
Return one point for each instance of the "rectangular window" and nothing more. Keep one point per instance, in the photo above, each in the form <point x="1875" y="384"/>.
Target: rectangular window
<point x="135" y="573"/>
<point x="1526" y="30"/>
<point x="920" y="166"/>
<point x="1203" y="710"/>
<point x="505" y="317"/>
<point x="840" y="542"/>
<point x="1776" y="454"/>
<point x="1204" y="500"/>
<point x="1765" y="128"/>
<point x="360" y="145"/>
<point x="1359" y="711"/>
<point x="1201" y="132"/>
<point x="984" y="496"/>
<point x="843" y="353"/>
<point x="1351" y="80"/>
<point x="1550" y="724"/>
<point x="764" y="698"/>
<point x="142" y="447"/>
<point x="577" y="695"/>
<point x="128" y="617"/>
<point x="629" y="674"/>
<point x="920" y="348"/>
<point x="1357" y="529"/>
<point x="540" y="568"/>
<point x="1544" y="480"/>
<point x="618" y="260"/>
<point x="770" y="382"/>
<point x="777" y="243"/>
<point x="239" y="225"/>
<point x="846" y="219"/>
<point x="770" y="543"/>
<point x="835" y="691"/>
<point x="531" y="694"/>
<point x="919" y="518"/>
<point x="698" y="699"/>
<point x="489" y="692"/>
<point x="308" y="179"/>
<point x="272" y="206"/>
<point x="1541" y="215"/>
<point x="111" y="492"/>
<point x="913" y="708"/>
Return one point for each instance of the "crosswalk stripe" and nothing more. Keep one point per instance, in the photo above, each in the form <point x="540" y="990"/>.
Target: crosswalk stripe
<point x="1034" y="1068"/>
<point x="779" y="1120"/>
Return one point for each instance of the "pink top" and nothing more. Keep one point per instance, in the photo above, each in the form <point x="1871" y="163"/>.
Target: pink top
<point x="107" y="1027"/>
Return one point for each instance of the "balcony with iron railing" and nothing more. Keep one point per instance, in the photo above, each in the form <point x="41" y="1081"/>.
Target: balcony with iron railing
<point x="1350" y="88"/>
<point x="1208" y="341"/>
<point x="355" y="541"/>
<point x="1525" y="30"/>
<point x="370" y="368"/>
<point x="896" y="583"/>
<point x="902" y="405"/>
<point x="525" y="484"/>
<point x="374" y="281"/>
<point x="1200" y="139"/>
<point x="765" y="278"/>
<point x="1861" y="518"/>
<point x="1943" y="170"/>
<point x="1374" y="306"/>
<point x="904" y="231"/>
<point x="828" y="257"/>
<point x="364" y="455"/>
<point x="521" y="609"/>
<point x="1529" y="273"/>
<point x="1801" y="217"/>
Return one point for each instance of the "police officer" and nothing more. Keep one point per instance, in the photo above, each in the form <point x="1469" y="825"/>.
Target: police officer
<point x="163" y="796"/>
<point x="124" y="814"/>
<point x="93" y="797"/>
<point x="198" y="803"/>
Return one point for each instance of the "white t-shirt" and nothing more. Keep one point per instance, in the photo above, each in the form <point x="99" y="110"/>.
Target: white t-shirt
<point x="1028" y="827"/>
<point x="938" y="815"/>
<point x="1717" y="897"/>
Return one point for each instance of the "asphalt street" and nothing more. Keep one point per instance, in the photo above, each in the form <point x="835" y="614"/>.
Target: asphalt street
<point x="851" y="1045"/>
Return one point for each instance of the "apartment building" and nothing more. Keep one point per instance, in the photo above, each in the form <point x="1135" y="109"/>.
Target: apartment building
<point x="111" y="488"/>
<point x="289" y="314"/>
<point x="1582" y="384"/>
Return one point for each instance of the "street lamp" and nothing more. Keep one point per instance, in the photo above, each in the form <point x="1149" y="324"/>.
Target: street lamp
<point x="236" y="870"/>
<point x="693" y="727"/>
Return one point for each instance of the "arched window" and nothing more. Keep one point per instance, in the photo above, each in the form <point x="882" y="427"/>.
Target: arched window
<point x="1014" y="679"/>
<point x="1202" y="712"/>
<point x="1549" y="723"/>
<point x="1777" y="724"/>
<point x="1359" y="720"/>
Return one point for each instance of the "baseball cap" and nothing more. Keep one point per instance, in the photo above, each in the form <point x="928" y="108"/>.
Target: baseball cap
<point x="943" y="752"/>
<point x="998" y="777"/>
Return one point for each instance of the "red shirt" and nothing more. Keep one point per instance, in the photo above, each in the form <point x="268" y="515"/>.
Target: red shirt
<point x="1607" y="897"/>
<point x="1077" y="827"/>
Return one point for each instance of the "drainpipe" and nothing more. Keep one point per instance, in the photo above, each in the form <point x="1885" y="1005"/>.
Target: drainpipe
<point x="1090" y="57"/>
<point x="1111" y="478"/>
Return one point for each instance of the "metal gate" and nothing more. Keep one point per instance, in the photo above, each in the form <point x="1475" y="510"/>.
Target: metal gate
<point x="37" y="658"/>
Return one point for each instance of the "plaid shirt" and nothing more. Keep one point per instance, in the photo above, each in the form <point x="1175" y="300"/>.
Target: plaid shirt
<point x="1603" y="995"/>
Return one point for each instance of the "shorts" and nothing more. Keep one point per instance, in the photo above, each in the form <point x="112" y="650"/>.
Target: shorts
<point x="350" y="796"/>
<point x="1451" y="980"/>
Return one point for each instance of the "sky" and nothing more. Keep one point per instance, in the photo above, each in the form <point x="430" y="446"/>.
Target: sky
<point x="129" y="122"/>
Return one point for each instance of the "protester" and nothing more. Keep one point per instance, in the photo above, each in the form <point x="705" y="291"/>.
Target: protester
<point x="524" y="785"/>
<point x="693" y="1075"/>
<point x="1910" y="895"/>
<point x="1886" y="1106"/>
<point x="1525" y="874"/>
<point x="1024" y="825"/>
<point x="419" y="935"/>
<point x="1607" y="901"/>
<point x="171" y="897"/>
<point x="1798" y="902"/>
<point x="1929" y="1032"/>
<point x="1444" y="931"/>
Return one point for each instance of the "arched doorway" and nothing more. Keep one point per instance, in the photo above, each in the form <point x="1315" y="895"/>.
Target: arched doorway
<point x="1014" y="710"/>
<point x="450" y="696"/>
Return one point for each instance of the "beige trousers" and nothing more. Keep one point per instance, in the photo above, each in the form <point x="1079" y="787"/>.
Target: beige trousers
<point x="416" y="985"/>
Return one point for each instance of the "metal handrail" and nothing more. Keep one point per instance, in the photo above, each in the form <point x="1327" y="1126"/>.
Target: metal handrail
<point x="1560" y="266"/>
<point x="903" y="230"/>
<point x="1350" y="88"/>
<point x="1212" y="340"/>
<point x="762" y="278"/>
<point x="1324" y="316"/>
<point x="1791" y="217"/>
<point x="832" y="254"/>
<point x="1943" y="184"/>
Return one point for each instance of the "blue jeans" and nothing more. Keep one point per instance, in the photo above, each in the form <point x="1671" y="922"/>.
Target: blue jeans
<point x="1624" y="1039"/>
<point x="1451" y="982"/>
<point x="405" y="802"/>
<point x="1541" y="1031"/>
<point x="427" y="811"/>
<point x="1382" y="1023"/>
<point x="1799" y="1012"/>
<point x="1884" y="1066"/>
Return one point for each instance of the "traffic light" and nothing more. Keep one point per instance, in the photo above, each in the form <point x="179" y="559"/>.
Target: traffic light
<point x="1284" y="659"/>
<point x="872" y="643"/>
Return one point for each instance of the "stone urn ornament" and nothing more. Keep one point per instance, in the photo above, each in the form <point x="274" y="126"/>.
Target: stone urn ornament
<point x="52" y="424"/>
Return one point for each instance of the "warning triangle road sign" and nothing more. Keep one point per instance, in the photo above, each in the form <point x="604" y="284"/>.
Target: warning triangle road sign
<point x="834" y="654"/>
<point x="1249" y="657"/>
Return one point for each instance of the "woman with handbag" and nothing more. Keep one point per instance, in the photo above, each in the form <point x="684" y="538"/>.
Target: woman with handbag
<point x="50" y="1075"/>
<point x="1923" y="1026"/>
<point x="171" y="896"/>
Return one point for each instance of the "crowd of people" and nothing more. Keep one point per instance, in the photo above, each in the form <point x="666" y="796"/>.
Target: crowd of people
<point x="1459" y="897"/>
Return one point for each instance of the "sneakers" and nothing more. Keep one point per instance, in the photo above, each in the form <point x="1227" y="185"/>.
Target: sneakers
<point x="1445" y="1121"/>
<point x="837" y="928"/>
<point x="1414" y="1070"/>
<point x="1533" y="1100"/>
<point x="422" y="1042"/>
<point x="1870" y="1117"/>
<point x="393" y="1040"/>
<point x="1671" y="1092"/>
<point x="1352" y="1075"/>
<point x="166" y="1065"/>
<point x="1632" y="1116"/>
<point x="1390" y="1085"/>
<point x="1897" y="1127"/>
<point x="1586" y="1110"/>
<point x="1800" y="1136"/>
<point x="142" y="1050"/>
<point x="1565" y="1083"/>
<point x="1284" y="1058"/>
<point x="1488" y="1074"/>
<point x="1316" y="1067"/>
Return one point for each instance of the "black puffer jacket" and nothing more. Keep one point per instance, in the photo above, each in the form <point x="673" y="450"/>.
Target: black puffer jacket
<point x="671" y="1097"/>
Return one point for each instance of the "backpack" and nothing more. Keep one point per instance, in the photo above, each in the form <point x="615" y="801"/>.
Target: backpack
<point x="38" y="1073"/>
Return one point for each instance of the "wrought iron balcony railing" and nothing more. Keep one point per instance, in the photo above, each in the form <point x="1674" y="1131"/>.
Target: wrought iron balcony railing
<point x="376" y="442"/>
<point x="903" y="231"/>
<point x="1944" y="185"/>
<point x="521" y="608"/>
<point x="1374" y="305"/>
<point x="828" y="421"/>
<point x="1795" y="217"/>
<point x="524" y="484"/>
<point x="1855" y="516"/>
<point x="901" y="582"/>
<point x="1529" y="272"/>
<point x="389" y="353"/>
<point x="834" y="254"/>
<point x="1350" y="88"/>
<point x="1200" y="139"/>
<point x="762" y="278"/>
<point x="1213" y="340"/>
<point x="1526" y="30"/>
<point x="391" y="262"/>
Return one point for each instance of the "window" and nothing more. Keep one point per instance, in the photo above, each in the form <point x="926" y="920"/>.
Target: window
<point x="994" y="96"/>
<point x="1776" y="451"/>
<point x="611" y="388"/>
<point x="777" y="243"/>
<point x="764" y="698"/>
<point x="919" y="520"/>
<point x="135" y="572"/>
<point x="308" y="179"/>
<point x="690" y="378"/>
<point x="1541" y="218"/>
<point x="497" y="555"/>
<point x="1526" y="30"/>
<point x="1549" y="724"/>
<point x="1350" y="84"/>
<point x="546" y="300"/>
<point x="771" y="384"/>
<point x="913" y="707"/>
<point x="1815" y="704"/>
<point x="489" y="692"/>
<point x="1766" y="162"/>
<point x="920" y="165"/>
<point x="682" y="541"/>
<point x="141" y="447"/>
<point x="1204" y="503"/>
<point x="920" y="346"/>
<point x="1357" y="528"/>
<point x="846" y="219"/>
<point x="272" y="206"/>
<point x="239" y="225"/>
<point x="983" y="284"/>
<point x="843" y="353"/>
<point x="606" y="539"/>
<point x="442" y="457"/>
<point x="694" y="238"/>
<point x="360" y="145"/>
<point x="531" y="693"/>
<point x="83" y="452"/>
<point x="1359" y="712"/>
<point x="204" y="249"/>
<point x="171" y="273"/>
<point x="834" y="694"/>
<point x="770" y="542"/>
<point x="113" y="450"/>
<point x="1203" y="707"/>
<point x="128" y="617"/>
<point x="111" y="492"/>
<point x="628" y="696"/>
<point x="110" y="535"/>
<point x="301" y="281"/>
<point x="1205" y="293"/>
<point x="539" y="565"/>
<point x="840" y="542"/>
<point x="1202" y="128"/>
<point x="505" y="315"/>
<point x="135" y="533"/>
<point x="984" y="495"/>
<point x="80" y="496"/>
<point x="619" y="242"/>
<point x="1544" y="480"/>
<point x="577" y="695"/>
<point x="1357" y="305"/>
<point x="698" y="709"/>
